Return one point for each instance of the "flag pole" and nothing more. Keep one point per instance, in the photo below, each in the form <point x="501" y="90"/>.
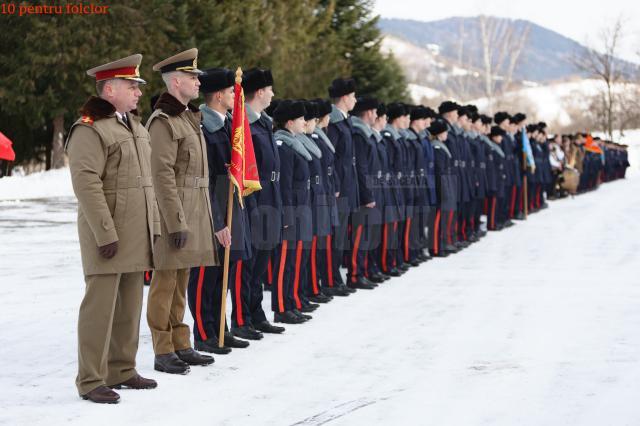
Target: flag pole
<point x="227" y="250"/>
<point x="225" y="270"/>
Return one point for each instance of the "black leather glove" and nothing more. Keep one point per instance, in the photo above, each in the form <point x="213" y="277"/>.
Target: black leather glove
<point x="109" y="250"/>
<point x="179" y="239"/>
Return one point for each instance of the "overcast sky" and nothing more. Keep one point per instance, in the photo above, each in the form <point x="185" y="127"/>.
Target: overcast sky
<point x="579" y="20"/>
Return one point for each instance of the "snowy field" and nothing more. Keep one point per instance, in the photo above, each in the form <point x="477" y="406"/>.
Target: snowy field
<point x="535" y="325"/>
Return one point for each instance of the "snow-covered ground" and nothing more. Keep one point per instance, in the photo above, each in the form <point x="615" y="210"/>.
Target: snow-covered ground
<point x="535" y="325"/>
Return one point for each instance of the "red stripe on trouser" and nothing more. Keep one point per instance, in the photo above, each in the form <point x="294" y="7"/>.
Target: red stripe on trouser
<point x="436" y="237"/>
<point x="270" y="272"/>
<point x="354" y="255"/>
<point x="449" y="226"/>
<point x="283" y="258"/>
<point x="521" y="199"/>
<point x="296" y="280"/>
<point x="239" y="319"/>
<point x="512" y="205"/>
<point x="383" y="261"/>
<point x="199" y="322"/>
<point x="395" y="232"/>
<point x="314" y="276"/>
<point x="486" y="206"/>
<point x="407" y="229"/>
<point x="539" y="190"/>
<point x="147" y="276"/>
<point x="473" y="224"/>
<point x="464" y="229"/>
<point x="329" y="262"/>
<point x="493" y="213"/>
<point x="366" y="264"/>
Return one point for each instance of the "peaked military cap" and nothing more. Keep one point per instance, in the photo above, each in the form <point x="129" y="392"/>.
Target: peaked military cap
<point x="186" y="61"/>
<point x="255" y="79"/>
<point x="216" y="79"/>
<point x="126" y="68"/>
<point x="382" y="109"/>
<point x="342" y="86"/>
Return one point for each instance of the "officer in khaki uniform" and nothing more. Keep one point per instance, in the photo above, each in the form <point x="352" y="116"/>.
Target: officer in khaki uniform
<point x="109" y="157"/>
<point x="180" y="177"/>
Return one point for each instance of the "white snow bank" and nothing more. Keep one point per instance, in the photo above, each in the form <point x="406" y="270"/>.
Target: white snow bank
<point x="52" y="183"/>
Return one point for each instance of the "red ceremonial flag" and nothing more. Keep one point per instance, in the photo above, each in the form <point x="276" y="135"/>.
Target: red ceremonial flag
<point x="243" y="169"/>
<point x="6" y="148"/>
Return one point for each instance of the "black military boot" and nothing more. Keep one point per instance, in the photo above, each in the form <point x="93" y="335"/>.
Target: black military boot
<point x="393" y="272"/>
<point x="192" y="357"/>
<point x="211" y="345"/>
<point x="449" y="248"/>
<point x="346" y="289"/>
<point x="170" y="363"/>
<point x="287" y="317"/>
<point x="246" y="332"/>
<point x="414" y="262"/>
<point x="266" y="327"/>
<point x="376" y="278"/>
<point x="233" y="342"/>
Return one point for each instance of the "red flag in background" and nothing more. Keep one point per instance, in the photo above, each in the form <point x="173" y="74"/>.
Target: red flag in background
<point x="243" y="169"/>
<point x="6" y="148"/>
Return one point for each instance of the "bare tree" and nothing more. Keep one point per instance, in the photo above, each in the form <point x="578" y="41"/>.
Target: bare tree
<point x="604" y="65"/>
<point x="502" y="44"/>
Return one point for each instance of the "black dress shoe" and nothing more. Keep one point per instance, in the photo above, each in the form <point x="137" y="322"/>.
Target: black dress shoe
<point x="211" y="346"/>
<point x="384" y="276"/>
<point x="519" y="216"/>
<point x="170" y="363"/>
<point x="246" y="332"/>
<point x="287" y="317"/>
<point x="415" y="262"/>
<point x="102" y="395"/>
<point x="404" y="267"/>
<point x="266" y="327"/>
<point x="473" y="238"/>
<point x="320" y="298"/>
<point x="481" y="233"/>
<point x="393" y="272"/>
<point x="233" y="342"/>
<point x="192" y="357"/>
<point x="309" y="307"/>
<point x="376" y="278"/>
<point x="136" y="382"/>
<point x="301" y="315"/>
<point x="508" y="223"/>
<point x="441" y="253"/>
<point x="448" y="248"/>
<point x="360" y="284"/>
<point x="347" y="289"/>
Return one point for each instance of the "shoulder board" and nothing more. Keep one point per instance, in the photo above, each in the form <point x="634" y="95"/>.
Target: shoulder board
<point x="314" y="136"/>
<point x="386" y="134"/>
<point x="87" y="119"/>
<point x="436" y="147"/>
<point x="278" y="142"/>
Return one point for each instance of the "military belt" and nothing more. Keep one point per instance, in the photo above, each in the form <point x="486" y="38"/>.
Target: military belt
<point x="192" y="182"/>
<point x="133" y="182"/>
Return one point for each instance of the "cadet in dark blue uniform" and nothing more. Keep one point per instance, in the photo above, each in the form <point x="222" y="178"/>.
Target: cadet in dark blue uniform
<point x="390" y="212"/>
<point x="397" y="163"/>
<point x="419" y="120"/>
<point x="343" y="96"/>
<point x="498" y="211"/>
<point x="205" y="283"/>
<point x="290" y="259"/>
<point x="321" y="212"/>
<point x="366" y="222"/>
<point x="264" y="206"/>
<point x="502" y="120"/>
<point x="446" y="191"/>
<point x="325" y="261"/>
<point x="479" y="165"/>
<point x="430" y="173"/>
<point x="449" y="112"/>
